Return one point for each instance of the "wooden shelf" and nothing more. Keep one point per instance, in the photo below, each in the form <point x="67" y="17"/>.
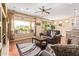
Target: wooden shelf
<point x="0" y="24"/>
<point x="3" y="10"/>
<point x="0" y="29"/>
<point x="3" y="25"/>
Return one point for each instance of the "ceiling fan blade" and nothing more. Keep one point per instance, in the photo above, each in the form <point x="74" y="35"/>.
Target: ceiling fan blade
<point x="40" y="8"/>
<point x="47" y="12"/>
<point x="49" y="9"/>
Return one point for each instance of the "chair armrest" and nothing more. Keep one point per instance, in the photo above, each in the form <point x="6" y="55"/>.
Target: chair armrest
<point x="46" y="53"/>
<point x="59" y="35"/>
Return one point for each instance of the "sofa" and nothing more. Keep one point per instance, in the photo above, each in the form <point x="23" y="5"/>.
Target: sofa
<point x="66" y="50"/>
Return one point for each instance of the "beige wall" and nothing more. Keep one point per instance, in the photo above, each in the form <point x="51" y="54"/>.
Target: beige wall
<point x="39" y="28"/>
<point x="21" y="36"/>
<point x="66" y="25"/>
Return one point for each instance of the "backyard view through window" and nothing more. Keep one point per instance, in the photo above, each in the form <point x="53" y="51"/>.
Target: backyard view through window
<point x="22" y="26"/>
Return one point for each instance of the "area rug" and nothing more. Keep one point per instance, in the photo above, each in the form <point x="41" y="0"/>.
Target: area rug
<point x="28" y="49"/>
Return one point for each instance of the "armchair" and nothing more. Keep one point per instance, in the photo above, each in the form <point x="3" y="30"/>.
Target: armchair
<point x="54" y="38"/>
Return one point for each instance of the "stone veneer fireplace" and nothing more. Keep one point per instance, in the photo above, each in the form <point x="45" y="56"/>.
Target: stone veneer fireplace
<point x="73" y="35"/>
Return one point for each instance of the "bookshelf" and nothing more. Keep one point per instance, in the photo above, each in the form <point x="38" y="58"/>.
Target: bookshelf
<point x="3" y="28"/>
<point x="0" y="29"/>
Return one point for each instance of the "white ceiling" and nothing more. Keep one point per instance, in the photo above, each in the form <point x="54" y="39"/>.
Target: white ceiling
<point x="58" y="11"/>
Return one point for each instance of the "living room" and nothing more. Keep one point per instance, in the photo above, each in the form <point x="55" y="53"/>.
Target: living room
<point x="44" y="27"/>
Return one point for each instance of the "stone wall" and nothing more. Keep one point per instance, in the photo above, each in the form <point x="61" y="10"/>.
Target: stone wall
<point x="73" y="36"/>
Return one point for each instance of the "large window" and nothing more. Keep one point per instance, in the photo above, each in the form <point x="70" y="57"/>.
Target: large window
<point x="21" y="26"/>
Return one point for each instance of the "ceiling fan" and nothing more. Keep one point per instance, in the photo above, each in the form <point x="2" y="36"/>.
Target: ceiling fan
<point x="43" y="9"/>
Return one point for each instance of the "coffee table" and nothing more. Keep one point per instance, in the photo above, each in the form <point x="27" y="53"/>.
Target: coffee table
<point x="40" y="41"/>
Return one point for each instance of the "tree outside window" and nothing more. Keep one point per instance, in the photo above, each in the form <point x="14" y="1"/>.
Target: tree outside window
<point x="22" y="26"/>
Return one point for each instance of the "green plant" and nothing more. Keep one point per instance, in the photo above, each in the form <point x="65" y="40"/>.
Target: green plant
<point x="52" y="27"/>
<point x="23" y="28"/>
<point x="46" y="25"/>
